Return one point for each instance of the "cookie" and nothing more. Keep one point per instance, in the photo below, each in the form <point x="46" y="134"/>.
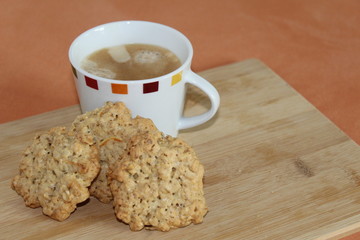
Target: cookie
<point x="158" y="184"/>
<point x="111" y="126"/>
<point x="56" y="170"/>
<point x="110" y="150"/>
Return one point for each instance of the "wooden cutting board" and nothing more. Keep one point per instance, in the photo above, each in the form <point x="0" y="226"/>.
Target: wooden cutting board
<point x="275" y="168"/>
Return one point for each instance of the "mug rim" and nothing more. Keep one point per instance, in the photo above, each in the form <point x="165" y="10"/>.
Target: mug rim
<point x="186" y="63"/>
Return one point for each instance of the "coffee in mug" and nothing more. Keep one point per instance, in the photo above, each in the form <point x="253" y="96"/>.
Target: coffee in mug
<point x="131" y="62"/>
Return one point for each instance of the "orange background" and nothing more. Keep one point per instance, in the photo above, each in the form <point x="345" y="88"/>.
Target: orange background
<point x="313" y="44"/>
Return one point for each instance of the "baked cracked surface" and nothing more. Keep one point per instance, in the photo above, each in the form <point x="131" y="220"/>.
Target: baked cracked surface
<point x="56" y="170"/>
<point x="158" y="184"/>
<point x="111" y="126"/>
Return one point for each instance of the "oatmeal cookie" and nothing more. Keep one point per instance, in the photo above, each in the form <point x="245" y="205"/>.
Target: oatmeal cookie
<point x="158" y="184"/>
<point x="56" y="170"/>
<point x="111" y="126"/>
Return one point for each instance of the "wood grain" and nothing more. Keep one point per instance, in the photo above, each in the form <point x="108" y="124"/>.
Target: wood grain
<point x="275" y="168"/>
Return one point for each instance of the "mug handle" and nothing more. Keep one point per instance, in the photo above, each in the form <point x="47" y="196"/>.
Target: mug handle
<point x="210" y="91"/>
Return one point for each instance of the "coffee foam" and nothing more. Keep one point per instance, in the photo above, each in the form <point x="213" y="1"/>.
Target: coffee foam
<point x="147" y="56"/>
<point x="92" y="67"/>
<point x="119" y="54"/>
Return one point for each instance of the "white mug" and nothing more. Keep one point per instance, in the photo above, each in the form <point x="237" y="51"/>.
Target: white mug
<point x="162" y="98"/>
